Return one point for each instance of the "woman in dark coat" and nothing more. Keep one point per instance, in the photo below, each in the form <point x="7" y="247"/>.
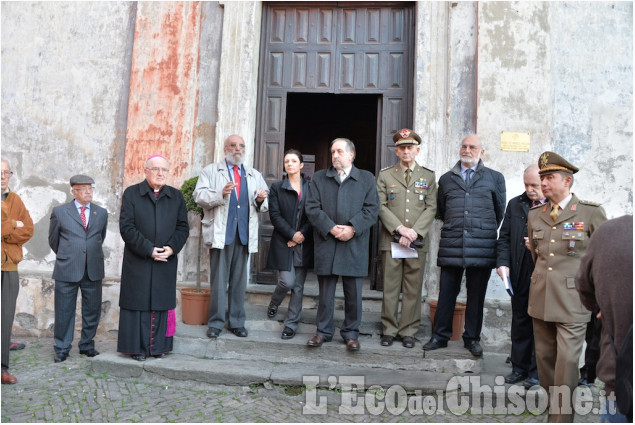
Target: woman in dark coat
<point x="291" y="249"/>
<point x="153" y="225"/>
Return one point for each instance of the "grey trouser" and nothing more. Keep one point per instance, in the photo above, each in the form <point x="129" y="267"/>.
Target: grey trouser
<point x="10" y="288"/>
<point x="65" y="305"/>
<point x="228" y="278"/>
<point x="352" y="306"/>
<point x="291" y="280"/>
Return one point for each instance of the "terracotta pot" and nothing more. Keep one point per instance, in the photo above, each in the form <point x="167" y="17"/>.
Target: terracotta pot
<point x="194" y="306"/>
<point x="458" y="321"/>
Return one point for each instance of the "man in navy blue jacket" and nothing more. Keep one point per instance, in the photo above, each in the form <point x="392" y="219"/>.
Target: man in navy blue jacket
<point x="471" y="202"/>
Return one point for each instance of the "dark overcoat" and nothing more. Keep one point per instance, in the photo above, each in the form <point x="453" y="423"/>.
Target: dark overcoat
<point x="146" y="223"/>
<point x="287" y="215"/>
<point x="354" y="202"/>
<point x="471" y="215"/>
<point x="511" y="247"/>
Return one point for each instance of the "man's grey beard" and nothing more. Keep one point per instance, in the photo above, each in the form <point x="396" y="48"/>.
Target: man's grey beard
<point x="229" y="157"/>
<point x="472" y="162"/>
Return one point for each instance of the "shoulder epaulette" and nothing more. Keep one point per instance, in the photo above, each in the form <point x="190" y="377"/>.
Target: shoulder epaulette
<point x="425" y="168"/>
<point x="593" y="204"/>
<point x="537" y="206"/>
<point x="386" y="168"/>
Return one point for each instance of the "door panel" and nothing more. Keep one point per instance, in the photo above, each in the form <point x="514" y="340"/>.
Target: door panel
<point x="341" y="48"/>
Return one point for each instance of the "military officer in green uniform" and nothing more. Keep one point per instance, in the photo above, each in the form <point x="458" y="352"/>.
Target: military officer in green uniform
<point x="559" y="231"/>
<point x="408" y="203"/>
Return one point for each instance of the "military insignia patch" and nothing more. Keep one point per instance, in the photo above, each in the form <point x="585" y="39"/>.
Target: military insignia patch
<point x="404" y="133"/>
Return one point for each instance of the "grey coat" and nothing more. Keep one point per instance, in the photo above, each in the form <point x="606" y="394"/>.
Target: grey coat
<point x="76" y="249"/>
<point x="354" y="202"/>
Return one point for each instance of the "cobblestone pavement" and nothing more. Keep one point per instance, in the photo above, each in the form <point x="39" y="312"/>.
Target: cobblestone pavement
<point x="70" y="392"/>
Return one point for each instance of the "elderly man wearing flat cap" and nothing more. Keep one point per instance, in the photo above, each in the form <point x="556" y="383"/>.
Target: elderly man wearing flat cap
<point x="76" y="234"/>
<point x="559" y="232"/>
<point x="408" y="203"/>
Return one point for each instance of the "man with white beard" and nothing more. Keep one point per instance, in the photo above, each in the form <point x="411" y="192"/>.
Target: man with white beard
<point x="233" y="193"/>
<point x="471" y="203"/>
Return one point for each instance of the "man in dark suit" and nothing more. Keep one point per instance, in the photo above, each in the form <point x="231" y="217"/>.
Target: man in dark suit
<point x="342" y="206"/>
<point x="76" y="235"/>
<point x="514" y="262"/>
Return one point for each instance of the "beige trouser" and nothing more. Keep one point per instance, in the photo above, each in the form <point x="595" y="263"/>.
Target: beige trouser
<point x="402" y="275"/>
<point x="558" y="350"/>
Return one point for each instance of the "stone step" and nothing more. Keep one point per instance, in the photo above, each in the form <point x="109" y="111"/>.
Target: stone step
<point x="263" y="357"/>
<point x="192" y="372"/>
<point x="259" y="294"/>
<point x="264" y="343"/>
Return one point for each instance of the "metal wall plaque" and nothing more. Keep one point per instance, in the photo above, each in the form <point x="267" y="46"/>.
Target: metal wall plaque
<point x="514" y="142"/>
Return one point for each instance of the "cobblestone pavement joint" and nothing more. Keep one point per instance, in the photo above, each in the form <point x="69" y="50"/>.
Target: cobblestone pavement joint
<point x="70" y="392"/>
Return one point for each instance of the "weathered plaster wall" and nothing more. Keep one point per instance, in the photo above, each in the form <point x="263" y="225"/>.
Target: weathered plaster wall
<point x="163" y="88"/>
<point x="561" y="71"/>
<point x="65" y="73"/>
<point x="592" y="95"/>
<point x="552" y="69"/>
<point x="66" y="83"/>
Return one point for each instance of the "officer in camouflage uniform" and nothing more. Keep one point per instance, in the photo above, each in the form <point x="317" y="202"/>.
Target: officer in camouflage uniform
<point x="408" y="203"/>
<point x="559" y="231"/>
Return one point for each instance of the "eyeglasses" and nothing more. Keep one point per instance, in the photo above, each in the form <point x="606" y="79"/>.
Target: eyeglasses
<point x="7" y="173"/>
<point x="84" y="189"/>
<point x="157" y="169"/>
<point x="233" y="145"/>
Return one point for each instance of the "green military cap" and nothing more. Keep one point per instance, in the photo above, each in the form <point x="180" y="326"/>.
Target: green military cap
<point x="81" y="179"/>
<point x="550" y="162"/>
<point x="405" y="137"/>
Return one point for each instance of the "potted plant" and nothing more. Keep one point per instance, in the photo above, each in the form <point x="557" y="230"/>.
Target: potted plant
<point x="194" y="301"/>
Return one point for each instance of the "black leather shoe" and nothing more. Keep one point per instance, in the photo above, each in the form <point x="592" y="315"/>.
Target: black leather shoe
<point x="272" y="310"/>
<point x="434" y="344"/>
<point x="474" y="347"/>
<point x="386" y="340"/>
<point x="531" y="382"/>
<point x="60" y="357"/>
<point x="408" y="341"/>
<point x="139" y="357"/>
<point x="287" y="333"/>
<point x="515" y="377"/>
<point x="160" y="356"/>
<point x="213" y="332"/>
<point x="90" y="353"/>
<point x="240" y="332"/>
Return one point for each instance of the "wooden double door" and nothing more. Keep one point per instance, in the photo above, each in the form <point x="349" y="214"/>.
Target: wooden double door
<point x="331" y="70"/>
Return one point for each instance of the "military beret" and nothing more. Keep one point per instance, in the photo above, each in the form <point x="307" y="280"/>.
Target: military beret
<point x="550" y="162"/>
<point x="81" y="179"/>
<point x="405" y="137"/>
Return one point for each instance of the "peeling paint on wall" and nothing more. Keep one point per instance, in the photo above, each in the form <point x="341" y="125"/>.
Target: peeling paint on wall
<point x="163" y="89"/>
